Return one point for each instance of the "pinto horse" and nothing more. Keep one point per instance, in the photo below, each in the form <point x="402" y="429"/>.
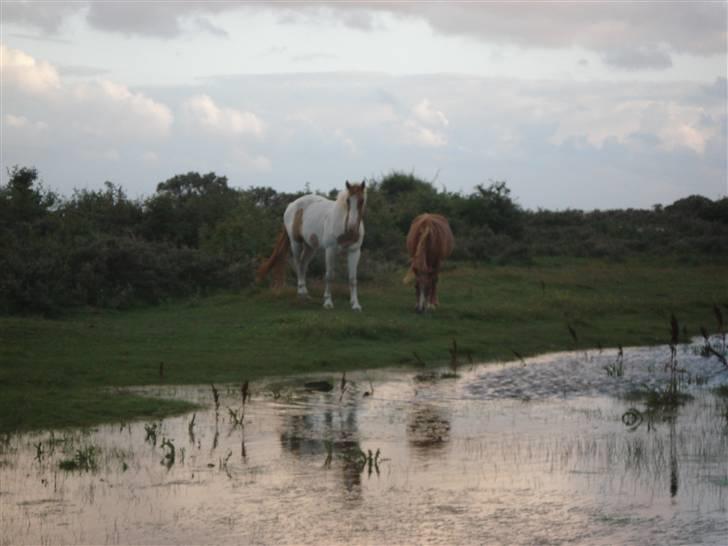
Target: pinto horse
<point x="312" y="222"/>
<point x="429" y="242"/>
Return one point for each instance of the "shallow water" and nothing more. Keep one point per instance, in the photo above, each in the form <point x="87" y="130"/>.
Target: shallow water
<point x="516" y="453"/>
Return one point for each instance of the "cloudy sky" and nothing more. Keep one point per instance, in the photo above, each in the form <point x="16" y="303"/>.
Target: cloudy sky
<point x="574" y="104"/>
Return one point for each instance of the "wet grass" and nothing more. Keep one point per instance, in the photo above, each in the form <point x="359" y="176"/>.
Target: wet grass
<point x="71" y="372"/>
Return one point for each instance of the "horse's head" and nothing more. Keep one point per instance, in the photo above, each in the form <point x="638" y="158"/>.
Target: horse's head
<point x="356" y="202"/>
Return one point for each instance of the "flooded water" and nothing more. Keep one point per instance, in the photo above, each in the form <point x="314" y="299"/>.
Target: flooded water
<point x="534" y="452"/>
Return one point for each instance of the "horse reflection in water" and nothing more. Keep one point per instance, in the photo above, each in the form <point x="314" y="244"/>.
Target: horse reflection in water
<point x="429" y="242"/>
<point x="327" y="432"/>
<point x="428" y="427"/>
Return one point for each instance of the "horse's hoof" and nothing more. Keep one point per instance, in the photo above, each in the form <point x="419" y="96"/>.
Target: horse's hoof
<point x="356" y="307"/>
<point x="328" y="305"/>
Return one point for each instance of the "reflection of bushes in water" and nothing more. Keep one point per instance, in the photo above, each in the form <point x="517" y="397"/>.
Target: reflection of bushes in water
<point x="428" y="426"/>
<point x="332" y="435"/>
<point x="313" y="433"/>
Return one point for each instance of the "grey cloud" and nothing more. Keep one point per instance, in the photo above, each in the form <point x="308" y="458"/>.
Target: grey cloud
<point x="205" y="24"/>
<point x="682" y="27"/>
<point x="151" y="19"/>
<point x="685" y="26"/>
<point x="156" y="19"/>
<point x="650" y="58"/>
<point x="46" y="16"/>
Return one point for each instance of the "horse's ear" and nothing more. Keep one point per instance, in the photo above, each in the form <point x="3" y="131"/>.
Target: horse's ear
<point x="348" y="186"/>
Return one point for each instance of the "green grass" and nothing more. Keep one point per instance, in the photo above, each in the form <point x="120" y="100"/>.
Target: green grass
<point x="52" y="371"/>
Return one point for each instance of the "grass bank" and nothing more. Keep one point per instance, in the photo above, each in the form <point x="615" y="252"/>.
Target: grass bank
<point x="52" y="371"/>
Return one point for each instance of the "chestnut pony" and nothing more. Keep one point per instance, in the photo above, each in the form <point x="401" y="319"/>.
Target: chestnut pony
<point x="312" y="222"/>
<point x="429" y="242"/>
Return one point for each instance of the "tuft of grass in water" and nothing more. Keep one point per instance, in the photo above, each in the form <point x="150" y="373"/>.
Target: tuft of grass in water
<point x="151" y="433"/>
<point x="170" y="454"/>
<point x="616" y="369"/>
<point x="83" y="460"/>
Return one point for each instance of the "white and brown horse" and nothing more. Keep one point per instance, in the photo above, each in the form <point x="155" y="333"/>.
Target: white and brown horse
<point x="312" y="222"/>
<point x="429" y="242"/>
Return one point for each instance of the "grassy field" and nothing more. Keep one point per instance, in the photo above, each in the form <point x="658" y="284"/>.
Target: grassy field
<point x="52" y="372"/>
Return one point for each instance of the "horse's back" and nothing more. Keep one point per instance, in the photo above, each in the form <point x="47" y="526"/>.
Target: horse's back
<point x="440" y="240"/>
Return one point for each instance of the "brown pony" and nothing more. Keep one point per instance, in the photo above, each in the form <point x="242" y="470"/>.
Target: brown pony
<point x="429" y="242"/>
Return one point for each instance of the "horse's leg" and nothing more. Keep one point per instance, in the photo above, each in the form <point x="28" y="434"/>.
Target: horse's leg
<point x="353" y="263"/>
<point x="330" y="262"/>
<point x="433" y="303"/>
<point x="307" y="254"/>
<point x="421" y="297"/>
<point x="297" y="250"/>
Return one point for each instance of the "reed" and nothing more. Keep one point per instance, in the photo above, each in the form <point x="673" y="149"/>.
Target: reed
<point x="616" y="369"/>
<point x="454" y="361"/>
<point x="342" y="386"/>
<point x="721" y="326"/>
<point x="216" y="399"/>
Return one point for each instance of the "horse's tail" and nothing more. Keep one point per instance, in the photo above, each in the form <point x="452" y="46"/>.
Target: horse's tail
<point x="419" y="258"/>
<point x="277" y="261"/>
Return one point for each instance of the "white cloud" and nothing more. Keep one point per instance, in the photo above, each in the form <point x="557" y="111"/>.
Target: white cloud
<point x="21" y="122"/>
<point x="25" y="72"/>
<point x="599" y="118"/>
<point x="90" y="125"/>
<point x="423" y="136"/>
<point x="349" y="145"/>
<point x="203" y="111"/>
<point x="104" y="108"/>
<point x="425" y="113"/>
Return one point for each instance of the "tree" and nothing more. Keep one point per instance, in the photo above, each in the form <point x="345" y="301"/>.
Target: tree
<point x="23" y="200"/>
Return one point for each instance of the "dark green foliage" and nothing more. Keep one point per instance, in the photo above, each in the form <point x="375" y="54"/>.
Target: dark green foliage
<point x="196" y="234"/>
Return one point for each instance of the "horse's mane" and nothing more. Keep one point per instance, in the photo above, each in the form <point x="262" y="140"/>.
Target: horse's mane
<point x="429" y="240"/>
<point x="341" y="198"/>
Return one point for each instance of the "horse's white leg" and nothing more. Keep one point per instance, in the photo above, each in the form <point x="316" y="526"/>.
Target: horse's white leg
<point x="353" y="263"/>
<point x="421" y="298"/>
<point x="298" y="250"/>
<point x="330" y="262"/>
<point x="307" y="254"/>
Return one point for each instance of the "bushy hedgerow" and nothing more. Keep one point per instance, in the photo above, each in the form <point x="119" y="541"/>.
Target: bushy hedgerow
<point x="196" y="234"/>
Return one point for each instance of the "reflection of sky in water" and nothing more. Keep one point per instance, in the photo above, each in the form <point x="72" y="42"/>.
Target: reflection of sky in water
<point x="504" y="453"/>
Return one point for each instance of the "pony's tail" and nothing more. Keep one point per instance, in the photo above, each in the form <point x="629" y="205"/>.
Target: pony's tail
<point x="419" y="259"/>
<point x="276" y="264"/>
